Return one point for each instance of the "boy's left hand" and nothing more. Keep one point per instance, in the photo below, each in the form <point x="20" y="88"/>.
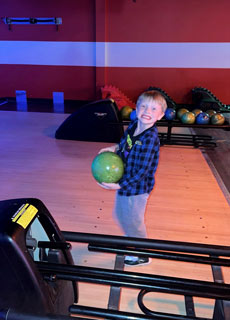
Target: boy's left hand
<point x="109" y="186"/>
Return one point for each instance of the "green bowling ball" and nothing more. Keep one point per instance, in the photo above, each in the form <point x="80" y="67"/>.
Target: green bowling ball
<point x="180" y="112"/>
<point x="188" y="118"/>
<point x="196" y="112"/>
<point x="125" y="112"/>
<point x="210" y="112"/>
<point x="218" y="119"/>
<point x="107" y="167"/>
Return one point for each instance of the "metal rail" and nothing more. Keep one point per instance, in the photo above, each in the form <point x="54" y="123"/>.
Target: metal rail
<point x="135" y="280"/>
<point x="174" y="246"/>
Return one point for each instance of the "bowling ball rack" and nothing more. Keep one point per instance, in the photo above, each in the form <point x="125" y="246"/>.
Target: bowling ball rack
<point x="39" y="280"/>
<point x="195" y="140"/>
<point x="202" y="98"/>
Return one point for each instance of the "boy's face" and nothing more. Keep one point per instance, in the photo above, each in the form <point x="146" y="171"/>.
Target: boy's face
<point x="149" y="111"/>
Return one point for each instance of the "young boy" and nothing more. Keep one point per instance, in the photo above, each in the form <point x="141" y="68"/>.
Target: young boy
<point x="139" y="149"/>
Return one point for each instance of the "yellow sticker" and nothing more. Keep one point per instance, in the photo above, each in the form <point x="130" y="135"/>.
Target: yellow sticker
<point x="24" y="215"/>
<point x="19" y="212"/>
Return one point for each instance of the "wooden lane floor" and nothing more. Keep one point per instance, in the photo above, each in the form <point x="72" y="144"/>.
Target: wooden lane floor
<point x="187" y="203"/>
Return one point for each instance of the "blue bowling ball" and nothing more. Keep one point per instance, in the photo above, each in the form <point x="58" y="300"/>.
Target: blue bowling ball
<point x="170" y="114"/>
<point x="202" y="118"/>
<point x="133" y="115"/>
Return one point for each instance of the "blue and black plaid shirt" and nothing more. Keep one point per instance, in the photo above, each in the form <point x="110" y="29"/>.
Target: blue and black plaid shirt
<point x="141" y="162"/>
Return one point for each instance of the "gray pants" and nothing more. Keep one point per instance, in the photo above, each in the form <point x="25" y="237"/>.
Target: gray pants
<point x="130" y="214"/>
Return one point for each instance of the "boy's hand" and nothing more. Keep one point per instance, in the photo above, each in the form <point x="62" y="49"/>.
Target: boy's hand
<point x="111" y="149"/>
<point x="109" y="186"/>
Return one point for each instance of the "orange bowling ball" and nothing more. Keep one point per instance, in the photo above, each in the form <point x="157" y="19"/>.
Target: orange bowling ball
<point x="125" y="112"/>
<point x="218" y="119"/>
<point x="180" y="112"/>
<point x="188" y="118"/>
<point x="196" y="112"/>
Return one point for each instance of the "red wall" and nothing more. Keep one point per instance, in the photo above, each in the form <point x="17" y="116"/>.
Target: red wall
<point x="170" y="21"/>
<point x="78" y="24"/>
<point x="117" y="21"/>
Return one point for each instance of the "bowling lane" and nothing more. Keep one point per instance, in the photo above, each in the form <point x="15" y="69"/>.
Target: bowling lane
<point x="186" y="204"/>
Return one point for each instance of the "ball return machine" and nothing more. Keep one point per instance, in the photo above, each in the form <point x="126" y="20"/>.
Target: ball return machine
<point x="39" y="280"/>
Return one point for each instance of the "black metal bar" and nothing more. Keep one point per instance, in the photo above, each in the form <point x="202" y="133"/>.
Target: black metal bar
<point x="54" y="245"/>
<point x="163" y="123"/>
<point x="115" y="292"/>
<point x="218" y="312"/>
<point x="155" y="283"/>
<point x="162" y="255"/>
<point x="221" y="308"/>
<point x="184" y="135"/>
<point x="183" y="139"/>
<point x="174" y="246"/>
<point x="189" y="306"/>
<point x="217" y="274"/>
<point x="120" y="315"/>
<point x="190" y="311"/>
<point x="177" y="123"/>
<point x="14" y="315"/>
<point x="169" y="131"/>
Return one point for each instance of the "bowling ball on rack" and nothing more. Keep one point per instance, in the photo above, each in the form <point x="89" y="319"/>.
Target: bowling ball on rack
<point x="125" y="112"/>
<point x="181" y="111"/>
<point x="202" y="118"/>
<point x="188" y="118"/>
<point x="107" y="167"/>
<point x="218" y="119"/>
<point x="133" y="115"/>
<point x="170" y="114"/>
<point x="210" y="112"/>
<point x="196" y="111"/>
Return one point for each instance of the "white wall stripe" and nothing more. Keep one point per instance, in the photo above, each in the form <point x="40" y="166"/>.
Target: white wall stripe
<point x="48" y="53"/>
<point x="116" y="54"/>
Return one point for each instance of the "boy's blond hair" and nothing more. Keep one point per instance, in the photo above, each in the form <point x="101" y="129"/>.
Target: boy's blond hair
<point x="155" y="96"/>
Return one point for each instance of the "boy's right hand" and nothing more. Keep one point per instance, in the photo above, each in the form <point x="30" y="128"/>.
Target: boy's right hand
<point x="109" y="186"/>
<point x="110" y="149"/>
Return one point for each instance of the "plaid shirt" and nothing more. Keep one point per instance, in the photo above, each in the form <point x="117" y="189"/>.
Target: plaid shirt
<point x="141" y="163"/>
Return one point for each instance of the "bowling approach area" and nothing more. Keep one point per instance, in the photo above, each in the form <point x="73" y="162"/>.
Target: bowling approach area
<point x="186" y="205"/>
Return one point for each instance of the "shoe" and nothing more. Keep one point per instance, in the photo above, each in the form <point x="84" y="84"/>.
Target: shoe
<point x="136" y="261"/>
